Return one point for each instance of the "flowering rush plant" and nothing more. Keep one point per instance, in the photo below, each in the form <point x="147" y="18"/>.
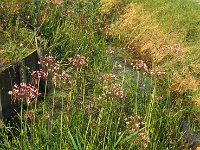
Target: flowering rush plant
<point x="140" y="65"/>
<point x="28" y="92"/>
<point x="111" y="87"/>
<point x="54" y="67"/>
<point x="50" y="63"/>
<point x="24" y="92"/>
<point x="38" y="75"/>
<point x="134" y="123"/>
<point x="78" y="61"/>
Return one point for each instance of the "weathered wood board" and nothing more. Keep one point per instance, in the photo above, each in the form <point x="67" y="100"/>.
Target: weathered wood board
<point x="20" y="72"/>
<point x="8" y="78"/>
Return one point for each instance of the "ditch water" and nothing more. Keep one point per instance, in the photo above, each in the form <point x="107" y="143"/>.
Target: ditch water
<point x="125" y="69"/>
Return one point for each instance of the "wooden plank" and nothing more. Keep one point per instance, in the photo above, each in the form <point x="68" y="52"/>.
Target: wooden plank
<point x="8" y="78"/>
<point x="20" y="72"/>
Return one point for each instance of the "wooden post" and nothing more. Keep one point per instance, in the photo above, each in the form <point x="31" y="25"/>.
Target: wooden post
<point x="22" y="71"/>
<point x="40" y="56"/>
<point x="8" y="78"/>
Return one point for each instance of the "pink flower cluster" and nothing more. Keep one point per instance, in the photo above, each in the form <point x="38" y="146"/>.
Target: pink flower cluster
<point x="158" y="98"/>
<point x="53" y="67"/>
<point x="109" y="77"/>
<point x="56" y="2"/>
<point x="111" y="87"/>
<point x="134" y="123"/>
<point x="24" y="92"/>
<point x="140" y="65"/>
<point x="176" y="48"/>
<point x="117" y="91"/>
<point x="145" y="137"/>
<point x="50" y="63"/>
<point x="28" y="93"/>
<point x="30" y="116"/>
<point x="63" y="77"/>
<point x="37" y="75"/>
<point x="157" y="72"/>
<point x="78" y="61"/>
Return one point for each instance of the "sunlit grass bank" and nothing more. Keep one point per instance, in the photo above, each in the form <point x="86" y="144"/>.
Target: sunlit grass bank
<point x="97" y="95"/>
<point x="165" y="33"/>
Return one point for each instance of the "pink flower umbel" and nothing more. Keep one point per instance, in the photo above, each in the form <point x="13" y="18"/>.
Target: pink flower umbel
<point x="117" y="90"/>
<point x="140" y="65"/>
<point x="53" y="66"/>
<point x="109" y="77"/>
<point x="133" y="124"/>
<point x="38" y="75"/>
<point x="56" y="2"/>
<point x="61" y="77"/>
<point x="30" y="116"/>
<point x="50" y="63"/>
<point x="157" y="72"/>
<point x="24" y="92"/>
<point x="110" y="86"/>
<point x="78" y="61"/>
<point x="176" y="48"/>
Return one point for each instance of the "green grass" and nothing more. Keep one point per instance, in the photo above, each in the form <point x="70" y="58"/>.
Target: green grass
<point x="88" y="114"/>
<point x="181" y="18"/>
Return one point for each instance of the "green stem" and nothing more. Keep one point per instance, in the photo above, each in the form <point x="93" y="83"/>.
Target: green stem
<point x="136" y="94"/>
<point x="88" y="125"/>
<point x="83" y="91"/>
<point x="107" y="128"/>
<point x="43" y="106"/>
<point x="61" y="122"/>
<point x="45" y="93"/>
<point x="53" y="103"/>
<point x="21" y="121"/>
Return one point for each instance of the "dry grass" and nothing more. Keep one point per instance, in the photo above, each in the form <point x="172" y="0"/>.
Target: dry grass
<point x="107" y="5"/>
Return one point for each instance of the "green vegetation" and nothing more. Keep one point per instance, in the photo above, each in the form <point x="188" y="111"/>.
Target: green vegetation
<point x="17" y="40"/>
<point x="98" y="99"/>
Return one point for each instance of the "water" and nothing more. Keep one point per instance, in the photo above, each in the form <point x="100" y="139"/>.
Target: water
<point x="129" y="72"/>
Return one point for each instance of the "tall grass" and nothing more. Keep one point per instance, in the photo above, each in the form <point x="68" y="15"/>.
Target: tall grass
<point x="105" y="105"/>
<point x="86" y="116"/>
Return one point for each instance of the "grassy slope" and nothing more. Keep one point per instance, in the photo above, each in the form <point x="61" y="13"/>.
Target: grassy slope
<point x="89" y="117"/>
<point x="151" y="27"/>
